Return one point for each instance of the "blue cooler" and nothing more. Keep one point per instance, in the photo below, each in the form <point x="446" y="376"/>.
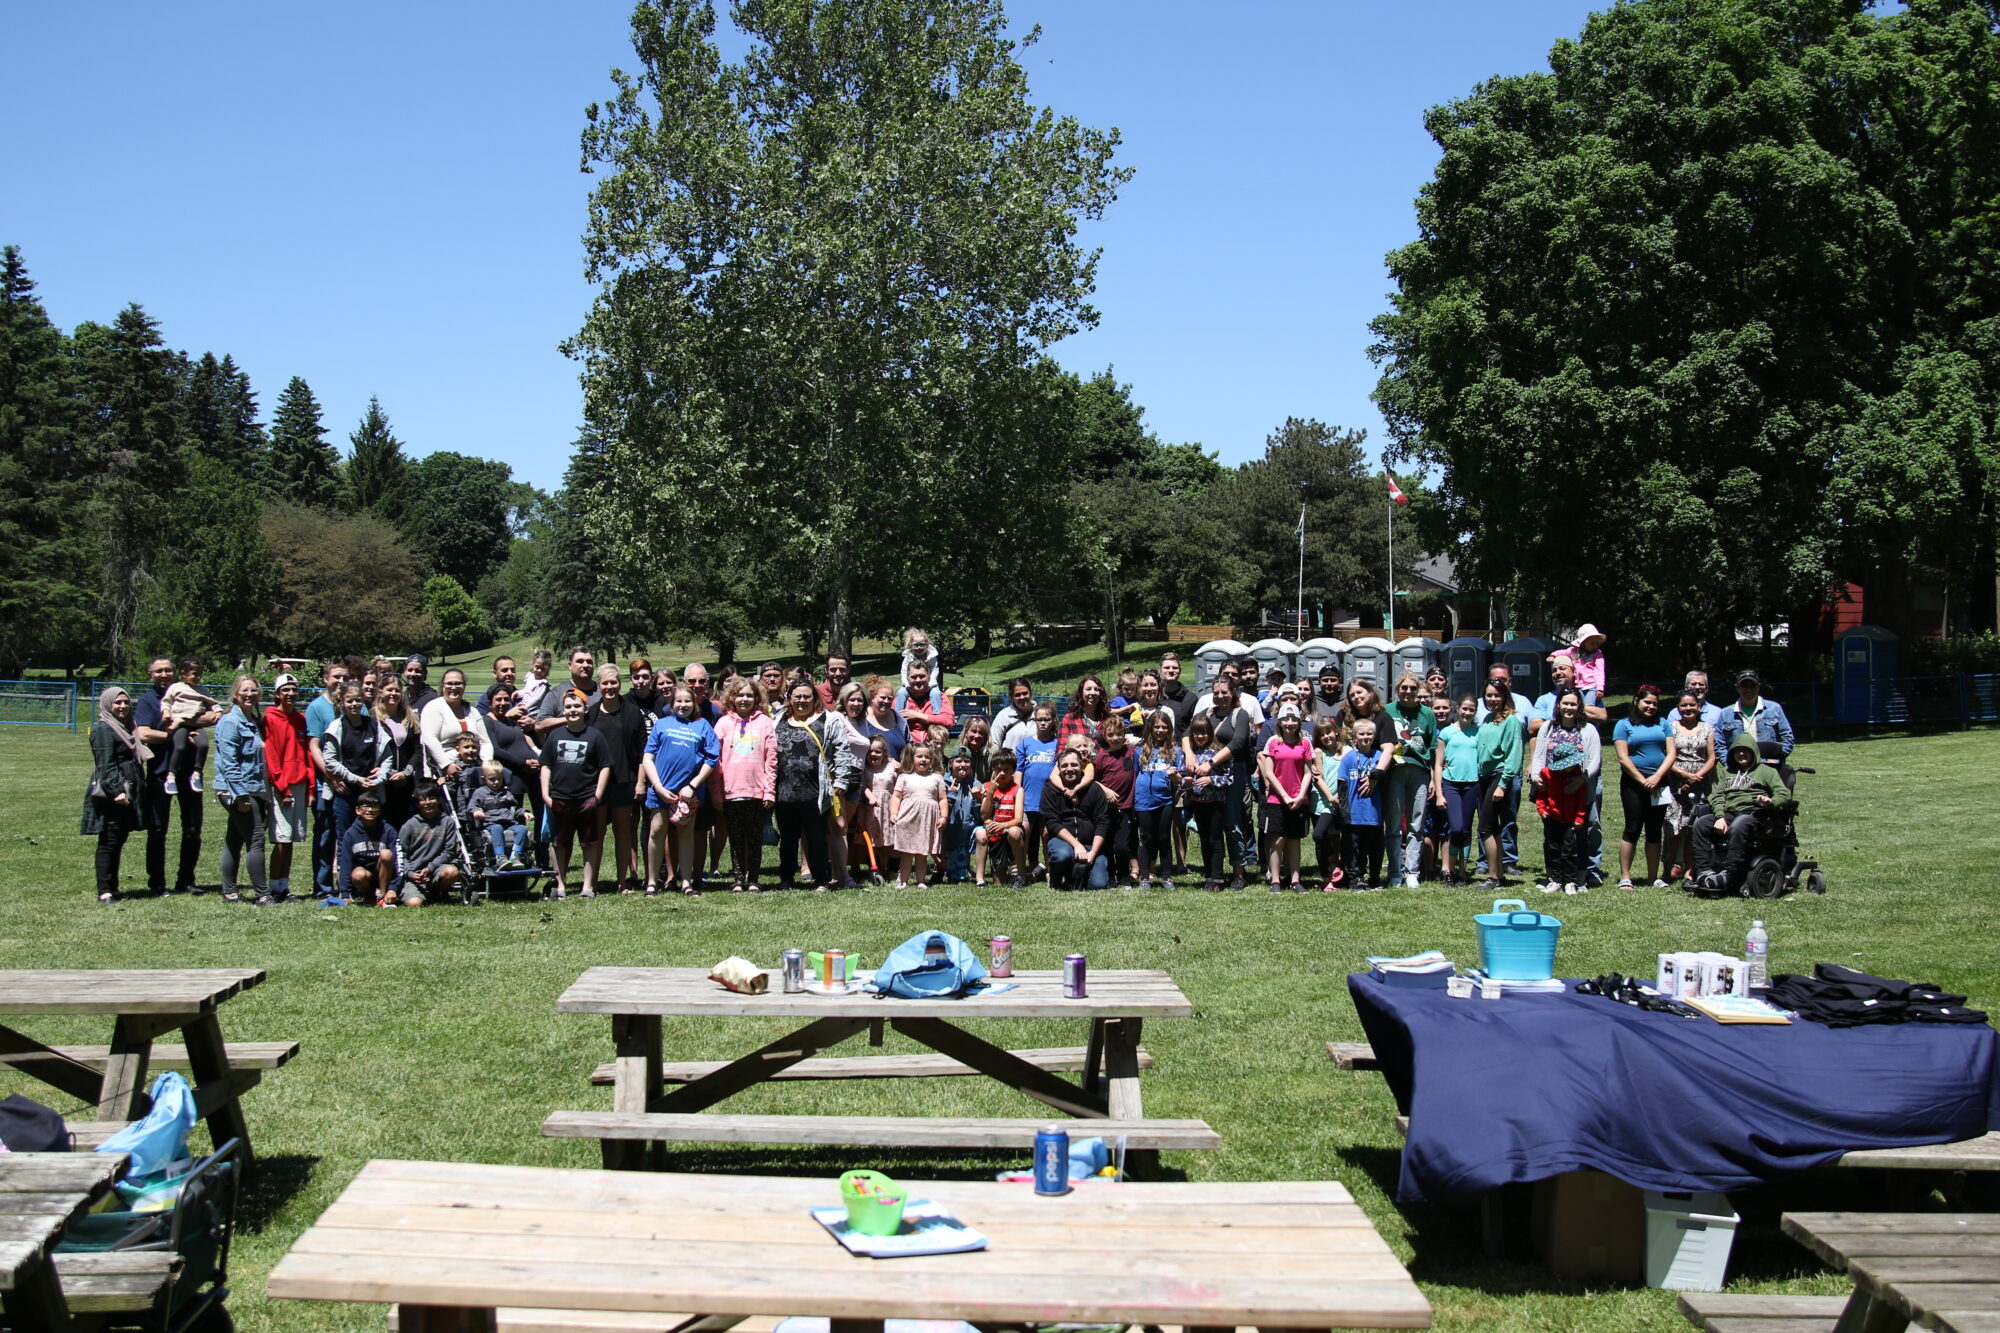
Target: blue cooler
<point x="1516" y="944"/>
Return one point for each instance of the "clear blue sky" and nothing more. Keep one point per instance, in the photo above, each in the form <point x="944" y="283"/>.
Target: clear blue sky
<point x="384" y="198"/>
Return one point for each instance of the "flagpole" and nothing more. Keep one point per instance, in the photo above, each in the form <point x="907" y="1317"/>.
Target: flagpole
<point x="1299" y="619"/>
<point x="1389" y="630"/>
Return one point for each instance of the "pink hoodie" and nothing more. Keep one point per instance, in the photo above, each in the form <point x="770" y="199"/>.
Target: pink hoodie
<point x="749" y="767"/>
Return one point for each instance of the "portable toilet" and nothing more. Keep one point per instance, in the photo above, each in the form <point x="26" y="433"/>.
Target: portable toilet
<point x="1862" y="656"/>
<point x="1370" y="659"/>
<point x="1208" y="659"/>
<point x="1419" y="654"/>
<point x="1316" y="653"/>
<point x="1273" y="654"/>
<point x="1465" y="661"/>
<point x="1527" y="661"/>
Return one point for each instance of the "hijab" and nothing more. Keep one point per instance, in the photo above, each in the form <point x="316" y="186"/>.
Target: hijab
<point x="140" y="750"/>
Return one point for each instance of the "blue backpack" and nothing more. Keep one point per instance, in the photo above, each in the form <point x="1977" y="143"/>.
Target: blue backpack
<point x="928" y="966"/>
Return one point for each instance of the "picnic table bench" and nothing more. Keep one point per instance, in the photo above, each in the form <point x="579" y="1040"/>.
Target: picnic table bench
<point x="145" y="1004"/>
<point x="453" y="1242"/>
<point x="644" y="1116"/>
<point x="40" y="1195"/>
<point x="1933" y="1270"/>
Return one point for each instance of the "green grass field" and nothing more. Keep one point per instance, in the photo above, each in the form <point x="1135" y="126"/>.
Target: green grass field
<point x="433" y="1034"/>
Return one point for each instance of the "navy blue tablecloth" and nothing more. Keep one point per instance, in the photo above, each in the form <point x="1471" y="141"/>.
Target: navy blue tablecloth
<point x="1529" y="1086"/>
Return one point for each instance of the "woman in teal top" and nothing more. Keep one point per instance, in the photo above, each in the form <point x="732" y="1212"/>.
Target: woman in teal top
<point x="1645" y="757"/>
<point x="1462" y="786"/>
<point x="1413" y="732"/>
<point x="1502" y="741"/>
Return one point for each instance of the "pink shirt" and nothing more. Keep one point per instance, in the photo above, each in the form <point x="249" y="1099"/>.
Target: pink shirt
<point x="1288" y="763"/>
<point x="749" y="765"/>
<point x="1590" y="669"/>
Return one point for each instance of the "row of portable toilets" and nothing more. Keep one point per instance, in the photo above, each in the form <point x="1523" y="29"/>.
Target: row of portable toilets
<point x="1465" y="660"/>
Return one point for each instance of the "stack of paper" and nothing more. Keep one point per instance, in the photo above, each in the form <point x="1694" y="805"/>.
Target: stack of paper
<point x="1427" y="970"/>
<point x="1546" y="986"/>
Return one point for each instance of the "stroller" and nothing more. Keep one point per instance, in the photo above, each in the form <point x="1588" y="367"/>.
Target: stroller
<point x="197" y="1228"/>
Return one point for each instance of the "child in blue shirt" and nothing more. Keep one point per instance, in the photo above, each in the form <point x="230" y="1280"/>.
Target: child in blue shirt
<point x="961" y="821"/>
<point x="1360" y="784"/>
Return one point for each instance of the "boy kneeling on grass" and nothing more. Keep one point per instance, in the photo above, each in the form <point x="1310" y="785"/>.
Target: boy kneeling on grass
<point x="366" y="862"/>
<point x="427" y="846"/>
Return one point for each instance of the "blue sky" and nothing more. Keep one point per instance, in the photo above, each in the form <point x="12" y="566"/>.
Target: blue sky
<point x="385" y="198"/>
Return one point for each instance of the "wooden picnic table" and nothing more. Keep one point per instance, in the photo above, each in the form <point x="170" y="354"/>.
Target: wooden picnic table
<point x="145" y="1004"/>
<point x="637" y="998"/>
<point x="454" y="1242"/>
<point x="1933" y="1270"/>
<point x="40" y="1195"/>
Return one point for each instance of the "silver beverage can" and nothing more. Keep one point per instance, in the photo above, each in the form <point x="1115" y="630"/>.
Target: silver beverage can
<point x="1003" y="957"/>
<point x="1075" y="977"/>
<point x="795" y="971"/>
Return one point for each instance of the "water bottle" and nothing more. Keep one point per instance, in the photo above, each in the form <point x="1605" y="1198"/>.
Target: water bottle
<point x="1757" y="954"/>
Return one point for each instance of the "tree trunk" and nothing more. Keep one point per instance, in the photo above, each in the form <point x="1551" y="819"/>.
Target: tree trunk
<point x="725" y="655"/>
<point x="982" y="642"/>
<point x="839" y="619"/>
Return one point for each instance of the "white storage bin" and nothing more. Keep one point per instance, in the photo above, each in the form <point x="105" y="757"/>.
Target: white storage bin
<point x="1687" y="1240"/>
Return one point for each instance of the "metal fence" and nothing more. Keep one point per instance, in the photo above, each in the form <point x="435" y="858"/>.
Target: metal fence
<point x="38" y="703"/>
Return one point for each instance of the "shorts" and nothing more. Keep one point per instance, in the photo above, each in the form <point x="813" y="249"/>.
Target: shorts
<point x="618" y="795"/>
<point x="412" y="896"/>
<point x="581" y="818"/>
<point x="291" y="820"/>
<point x="707" y="814"/>
<point x="1284" y="821"/>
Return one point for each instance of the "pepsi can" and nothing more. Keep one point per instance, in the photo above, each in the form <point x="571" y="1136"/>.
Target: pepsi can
<point x="1003" y="957"/>
<point x="1051" y="1160"/>
<point x="1074" y="977"/>
<point x="795" y="971"/>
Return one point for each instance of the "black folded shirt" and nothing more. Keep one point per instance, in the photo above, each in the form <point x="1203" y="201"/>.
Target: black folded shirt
<point x="1841" y="997"/>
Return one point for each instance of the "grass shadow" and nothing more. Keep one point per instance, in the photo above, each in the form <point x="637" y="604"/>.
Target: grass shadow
<point x="275" y="1182"/>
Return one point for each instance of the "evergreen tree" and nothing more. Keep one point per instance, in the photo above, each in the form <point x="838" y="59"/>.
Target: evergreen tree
<point x="131" y="394"/>
<point x="46" y="574"/>
<point x="587" y="593"/>
<point x="202" y="409"/>
<point x="377" y="474"/>
<point x="214" y="577"/>
<point x="248" y="447"/>
<point x="303" y="465"/>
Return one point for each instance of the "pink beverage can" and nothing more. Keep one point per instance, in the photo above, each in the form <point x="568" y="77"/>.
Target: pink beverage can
<point x="1003" y="957"/>
<point x="1075" y="977"/>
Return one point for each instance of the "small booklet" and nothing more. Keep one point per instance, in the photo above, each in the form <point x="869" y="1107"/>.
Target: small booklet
<point x="1736" y="1009"/>
<point x="1509" y="986"/>
<point x="928" y="1228"/>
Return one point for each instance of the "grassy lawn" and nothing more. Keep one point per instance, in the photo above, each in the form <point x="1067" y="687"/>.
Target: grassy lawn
<point x="433" y="1034"/>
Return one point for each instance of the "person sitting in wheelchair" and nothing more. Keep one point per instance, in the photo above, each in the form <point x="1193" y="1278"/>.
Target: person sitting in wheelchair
<point x="1748" y="805"/>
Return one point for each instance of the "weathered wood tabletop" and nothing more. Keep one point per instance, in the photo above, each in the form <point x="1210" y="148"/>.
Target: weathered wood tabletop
<point x="637" y="998"/>
<point x="40" y="1195"/>
<point x="453" y="1242"/>
<point x="146" y="1004"/>
<point x="1935" y="1270"/>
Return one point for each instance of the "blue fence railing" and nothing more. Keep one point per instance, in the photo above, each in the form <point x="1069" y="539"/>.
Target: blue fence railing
<point x="38" y="703"/>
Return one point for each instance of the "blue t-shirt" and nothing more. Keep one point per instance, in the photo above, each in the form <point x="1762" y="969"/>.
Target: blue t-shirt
<point x="894" y="740"/>
<point x="1646" y="741"/>
<point x="1361" y="809"/>
<point x="1461" y="753"/>
<point x="146" y="712"/>
<point x="1034" y="760"/>
<point x="320" y="714"/>
<point x="1153" y="787"/>
<point x="679" y="749"/>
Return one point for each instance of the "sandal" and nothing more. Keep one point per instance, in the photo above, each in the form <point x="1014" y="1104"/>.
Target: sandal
<point x="231" y="896"/>
<point x="1627" y="884"/>
<point x="688" y="890"/>
<point x="652" y="890"/>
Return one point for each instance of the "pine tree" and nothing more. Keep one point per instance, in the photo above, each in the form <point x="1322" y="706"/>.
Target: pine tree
<point x="377" y="474"/>
<point x="46" y="602"/>
<point x="131" y="391"/>
<point x="302" y="463"/>
<point x="202" y="409"/>
<point x="248" y="447"/>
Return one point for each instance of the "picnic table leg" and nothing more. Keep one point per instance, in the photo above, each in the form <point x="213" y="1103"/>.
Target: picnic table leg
<point x="122" y="1095"/>
<point x="445" y="1319"/>
<point x="37" y="1302"/>
<point x="1122" y="1097"/>
<point x="1093" y="1060"/>
<point x="208" y="1061"/>
<point x="854" y="1326"/>
<point x="637" y="1039"/>
<point x="1867" y="1313"/>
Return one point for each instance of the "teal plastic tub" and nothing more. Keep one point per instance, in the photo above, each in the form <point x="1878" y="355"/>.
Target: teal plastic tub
<point x="1516" y="944"/>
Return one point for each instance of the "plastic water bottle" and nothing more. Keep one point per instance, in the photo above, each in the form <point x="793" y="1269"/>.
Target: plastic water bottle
<point x="1757" y="954"/>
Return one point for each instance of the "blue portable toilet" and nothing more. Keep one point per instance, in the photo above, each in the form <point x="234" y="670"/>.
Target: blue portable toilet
<point x="1527" y="661"/>
<point x="1316" y="653"/>
<point x="1419" y="654"/>
<point x="1273" y="653"/>
<point x="1465" y="662"/>
<point x="1862" y="656"/>
<point x="1208" y="659"/>
<point x="1370" y="659"/>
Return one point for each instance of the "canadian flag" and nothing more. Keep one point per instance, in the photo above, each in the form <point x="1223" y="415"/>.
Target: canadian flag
<point x="1395" y="491"/>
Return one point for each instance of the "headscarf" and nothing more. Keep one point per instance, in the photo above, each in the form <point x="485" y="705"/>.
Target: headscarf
<point x="140" y="750"/>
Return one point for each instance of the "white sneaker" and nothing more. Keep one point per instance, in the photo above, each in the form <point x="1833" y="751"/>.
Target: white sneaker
<point x="1550" y="886"/>
<point x="194" y="781"/>
<point x="1572" y="888"/>
<point x="1409" y="881"/>
<point x="1661" y="884"/>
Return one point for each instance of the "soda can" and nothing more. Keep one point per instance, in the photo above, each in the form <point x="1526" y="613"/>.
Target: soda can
<point x="833" y="969"/>
<point x="1051" y="1160"/>
<point x="1003" y="957"/>
<point x="1075" y="977"/>
<point x="795" y="971"/>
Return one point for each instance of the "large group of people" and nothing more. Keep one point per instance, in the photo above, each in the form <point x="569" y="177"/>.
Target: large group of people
<point x="405" y="794"/>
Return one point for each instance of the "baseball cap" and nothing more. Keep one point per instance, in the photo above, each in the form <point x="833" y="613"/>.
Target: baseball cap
<point x="418" y="658"/>
<point x="286" y="678"/>
<point x="1749" y="676"/>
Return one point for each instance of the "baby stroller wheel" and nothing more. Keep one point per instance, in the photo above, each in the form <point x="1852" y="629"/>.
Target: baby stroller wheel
<point x="1815" y="881"/>
<point x="1765" y="880"/>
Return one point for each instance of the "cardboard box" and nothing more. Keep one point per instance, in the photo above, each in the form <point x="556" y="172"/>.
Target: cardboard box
<point x="1590" y="1225"/>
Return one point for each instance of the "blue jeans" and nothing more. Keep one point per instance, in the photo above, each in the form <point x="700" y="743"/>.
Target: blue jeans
<point x="324" y="840"/>
<point x="1593" y="833"/>
<point x="956" y="845"/>
<point x="1063" y="861"/>
<point x="505" y="840"/>
<point x="1409" y="790"/>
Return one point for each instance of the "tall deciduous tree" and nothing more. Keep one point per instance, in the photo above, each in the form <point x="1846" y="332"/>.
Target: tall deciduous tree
<point x="828" y="273"/>
<point x="345" y="585"/>
<point x="377" y="474"/>
<point x="458" y="510"/>
<point x="302" y="465"/>
<point x="1704" y="318"/>
<point x="47" y="566"/>
<point x="588" y="590"/>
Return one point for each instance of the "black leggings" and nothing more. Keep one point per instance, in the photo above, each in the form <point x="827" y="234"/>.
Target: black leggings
<point x="1208" y="818"/>
<point x="1563" y="850"/>
<point x="746" y="838"/>
<point x="1461" y="800"/>
<point x="1329" y="839"/>
<point x="111" y="838"/>
<point x="1364" y="854"/>
<point x="1640" y="812"/>
<point x="1156" y="837"/>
